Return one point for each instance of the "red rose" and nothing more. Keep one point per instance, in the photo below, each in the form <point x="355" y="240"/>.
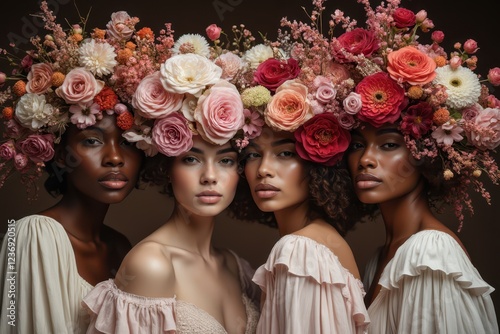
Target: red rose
<point x="272" y="72"/>
<point x="357" y="41"/>
<point x="403" y="18"/>
<point x="322" y="140"/>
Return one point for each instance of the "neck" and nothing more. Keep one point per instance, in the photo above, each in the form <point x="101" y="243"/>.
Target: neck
<point x="292" y="219"/>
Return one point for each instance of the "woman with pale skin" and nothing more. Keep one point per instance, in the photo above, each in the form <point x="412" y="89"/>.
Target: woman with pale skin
<point x="421" y="280"/>
<point x="176" y="280"/>
<point x="63" y="251"/>
<point x="310" y="282"/>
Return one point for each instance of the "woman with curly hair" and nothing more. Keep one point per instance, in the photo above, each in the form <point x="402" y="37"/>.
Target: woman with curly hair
<point x="310" y="282"/>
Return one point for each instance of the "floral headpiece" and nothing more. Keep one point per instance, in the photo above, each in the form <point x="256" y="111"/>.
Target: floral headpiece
<point x="322" y="86"/>
<point x="163" y="91"/>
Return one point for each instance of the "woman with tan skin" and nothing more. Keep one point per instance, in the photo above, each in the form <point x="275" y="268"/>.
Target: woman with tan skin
<point x="63" y="251"/>
<point x="176" y="279"/>
<point x="310" y="282"/>
<point x="421" y="280"/>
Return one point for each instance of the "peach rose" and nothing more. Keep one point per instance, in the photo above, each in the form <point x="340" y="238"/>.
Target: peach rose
<point x="289" y="108"/>
<point x="39" y="78"/>
<point x="79" y="86"/>
<point x="411" y="65"/>
<point x="151" y="100"/>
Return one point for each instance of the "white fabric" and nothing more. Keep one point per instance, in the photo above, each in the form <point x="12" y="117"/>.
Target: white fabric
<point x="431" y="286"/>
<point x="48" y="290"/>
<point x="308" y="291"/>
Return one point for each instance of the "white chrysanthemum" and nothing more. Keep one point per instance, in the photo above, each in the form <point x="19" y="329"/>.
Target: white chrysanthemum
<point x="33" y="111"/>
<point x="257" y="55"/>
<point x="192" y="43"/>
<point x="188" y="73"/>
<point x="462" y="86"/>
<point x="98" y="58"/>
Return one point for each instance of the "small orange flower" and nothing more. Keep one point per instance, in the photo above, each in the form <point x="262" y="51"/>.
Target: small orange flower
<point x="415" y="92"/>
<point x="77" y="37"/>
<point x="7" y="113"/>
<point x="123" y="56"/>
<point x="441" y="116"/>
<point x="57" y="79"/>
<point x="440" y="61"/>
<point x="98" y="33"/>
<point x="19" y="88"/>
<point x="146" y="33"/>
<point x="125" y="120"/>
<point x="106" y="99"/>
<point x="131" y="46"/>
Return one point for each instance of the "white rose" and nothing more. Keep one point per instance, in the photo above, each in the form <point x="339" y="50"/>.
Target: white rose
<point x="33" y="111"/>
<point x="188" y="73"/>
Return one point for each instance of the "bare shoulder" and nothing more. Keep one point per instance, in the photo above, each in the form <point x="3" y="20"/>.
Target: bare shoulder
<point x="327" y="235"/>
<point x="147" y="271"/>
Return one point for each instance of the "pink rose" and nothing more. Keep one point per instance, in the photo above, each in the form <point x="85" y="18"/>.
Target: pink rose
<point x="411" y="65"/>
<point x="470" y="112"/>
<point x="272" y="72"/>
<point x="7" y="150"/>
<point x="171" y="135"/>
<point x="494" y="76"/>
<point x="346" y="120"/>
<point x="470" y="46"/>
<point x="356" y="42"/>
<point x="352" y="103"/>
<point x="39" y="78"/>
<point x="437" y="36"/>
<point x="230" y="63"/>
<point x="219" y="113"/>
<point x="79" y="86"/>
<point x="289" y="108"/>
<point x="121" y="26"/>
<point x="325" y="90"/>
<point x="39" y="148"/>
<point x="485" y="134"/>
<point x="20" y="161"/>
<point x="151" y="100"/>
<point x="322" y="140"/>
<point x="13" y="129"/>
<point x="403" y="18"/>
<point x="213" y="31"/>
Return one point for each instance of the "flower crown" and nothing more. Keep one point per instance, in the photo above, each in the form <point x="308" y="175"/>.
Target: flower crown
<point x="322" y="86"/>
<point x="163" y="91"/>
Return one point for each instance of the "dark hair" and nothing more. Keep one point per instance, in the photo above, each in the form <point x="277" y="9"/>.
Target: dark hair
<point x="329" y="192"/>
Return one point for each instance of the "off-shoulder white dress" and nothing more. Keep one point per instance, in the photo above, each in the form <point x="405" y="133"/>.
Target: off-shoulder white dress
<point x="115" y="311"/>
<point x="48" y="288"/>
<point x="308" y="291"/>
<point x="430" y="286"/>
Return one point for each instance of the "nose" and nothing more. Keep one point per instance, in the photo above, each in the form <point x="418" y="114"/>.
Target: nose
<point x="209" y="175"/>
<point x="265" y="168"/>
<point x="113" y="156"/>
<point x="368" y="159"/>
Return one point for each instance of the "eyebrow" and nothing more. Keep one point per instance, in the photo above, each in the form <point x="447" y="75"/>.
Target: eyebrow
<point x="223" y="151"/>
<point x="378" y="132"/>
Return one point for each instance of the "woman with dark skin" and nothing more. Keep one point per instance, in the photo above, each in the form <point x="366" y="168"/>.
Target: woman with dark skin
<point x="66" y="249"/>
<point x="421" y="280"/>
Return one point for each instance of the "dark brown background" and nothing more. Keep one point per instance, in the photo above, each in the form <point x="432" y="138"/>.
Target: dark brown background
<point x="144" y="210"/>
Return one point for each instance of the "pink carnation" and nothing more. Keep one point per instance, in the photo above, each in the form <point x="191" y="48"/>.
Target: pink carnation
<point x="486" y="132"/>
<point x="171" y="135"/>
<point x="219" y="113"/>
<point x="151" y="100"/>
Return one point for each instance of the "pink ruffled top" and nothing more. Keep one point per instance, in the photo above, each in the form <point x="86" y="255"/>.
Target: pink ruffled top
<point x="115" y="311"/>
<point x="309" y="291"/>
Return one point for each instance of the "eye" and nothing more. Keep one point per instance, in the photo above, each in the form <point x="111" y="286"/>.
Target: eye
<point x="251" y="156"/>
<point x="189" y="160"/>
<point x="228" y="161"/>
<point x="355" y="146"/>
<point x="286" y="154"/>
<point x="127" y="143"/>
<point x="390" y="146"/>
<point x="91" y="141"/>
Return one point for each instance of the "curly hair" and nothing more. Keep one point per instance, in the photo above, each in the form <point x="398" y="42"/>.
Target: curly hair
<point x="329" y="198"/>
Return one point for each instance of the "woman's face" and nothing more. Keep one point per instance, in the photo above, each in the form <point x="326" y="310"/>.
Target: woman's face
<point x="204" y="180"/>
<point x="380" y="164"/>
<point x="275" y="173"/>
<point x="99" y="162"/>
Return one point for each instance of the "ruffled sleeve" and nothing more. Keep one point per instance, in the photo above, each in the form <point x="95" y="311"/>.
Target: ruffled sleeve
<point x="115" y="311"/>
<point x="308" y="291"/>
<point x="431" y="286"/>
<point x="48" y="289"/>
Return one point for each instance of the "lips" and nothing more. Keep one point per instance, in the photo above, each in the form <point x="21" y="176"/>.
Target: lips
<point x="264" y="190"/>
<point x="114" y="180"/>
<point x="367" y="181"/>
<point x="209" y="196"/>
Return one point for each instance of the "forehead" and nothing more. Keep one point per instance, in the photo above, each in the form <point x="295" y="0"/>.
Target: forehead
<point x="269" y="137"/>
<point x="367" y="129"/>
